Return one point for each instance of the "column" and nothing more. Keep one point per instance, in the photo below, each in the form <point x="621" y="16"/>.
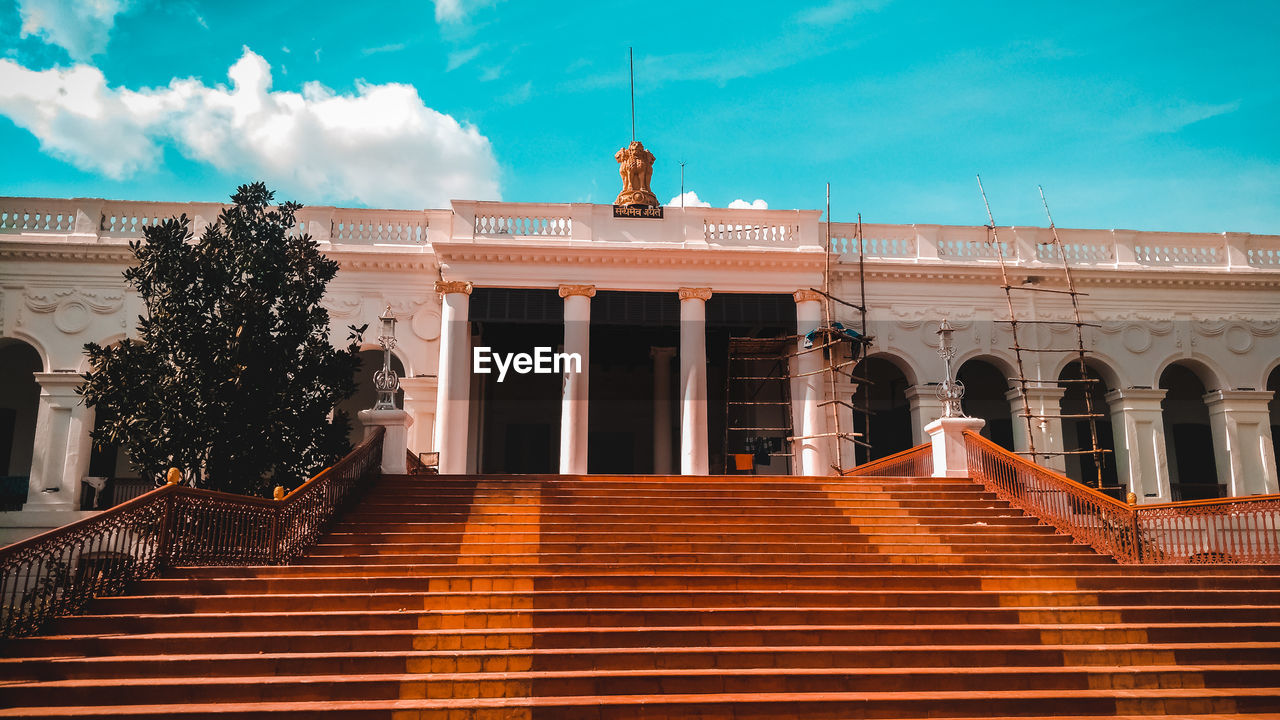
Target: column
<point x="1242" y="442"/>
<point x="1048" y="430"/>
<point x="573" y="401"/>
<point x="1137" y="423"/>
<point x="662" y="357"/>
<point x="926" y="407"/>
<point x="420" y="403"/>
<point x="453" y="396"/>
<point x="60" y="458"/>
<point x="694" y="456"/>
<point x="811" y="452"/>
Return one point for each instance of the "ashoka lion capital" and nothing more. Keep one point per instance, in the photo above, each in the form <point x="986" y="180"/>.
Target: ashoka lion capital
<point x="635" y="165"/>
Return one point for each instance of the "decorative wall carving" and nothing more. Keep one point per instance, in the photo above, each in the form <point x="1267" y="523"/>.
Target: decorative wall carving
<point x="342" y="306"/>
<point x="73" y="308"/>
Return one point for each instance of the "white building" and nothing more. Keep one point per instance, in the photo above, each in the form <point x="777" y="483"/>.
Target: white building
<point x="1187" y="343"/>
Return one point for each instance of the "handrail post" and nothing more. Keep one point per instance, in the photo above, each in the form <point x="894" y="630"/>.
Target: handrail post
<point x="166" y="521"/>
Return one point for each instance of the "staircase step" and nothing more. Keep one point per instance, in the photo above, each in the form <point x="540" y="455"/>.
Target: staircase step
<point x="670" y="597"/>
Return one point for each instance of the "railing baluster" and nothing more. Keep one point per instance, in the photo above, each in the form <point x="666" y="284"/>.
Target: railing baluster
<point x="55" y="573"/>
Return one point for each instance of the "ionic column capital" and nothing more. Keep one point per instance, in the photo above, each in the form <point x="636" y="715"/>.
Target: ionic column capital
<point x="446" y="287"/>
<point x="582" y="290"/>
<point x="807" y="296"/>
<point x="702" y="294"/>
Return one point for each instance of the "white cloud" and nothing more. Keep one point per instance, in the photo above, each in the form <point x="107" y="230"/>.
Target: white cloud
<point x="690" y="200"/>
<point x="455" y="11"/>
<point x="81" y="27"/>
<point x="380" y="146"/>
<point x="838" y="11"/>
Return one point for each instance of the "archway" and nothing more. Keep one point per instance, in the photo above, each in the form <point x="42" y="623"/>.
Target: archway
<point x="1079" y="399"/>
<point x="366" y="395"/>
<point x="19" y="405"/>
<point x="888" y="429"/>
<point x="985" y="386"/>
<point x="1193" y="472"/>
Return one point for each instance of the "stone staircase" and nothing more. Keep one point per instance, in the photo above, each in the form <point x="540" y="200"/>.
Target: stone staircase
<point x="670" y="597"/>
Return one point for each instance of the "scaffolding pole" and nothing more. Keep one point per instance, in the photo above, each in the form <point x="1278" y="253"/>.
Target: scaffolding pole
<point x="1080" y="351"/>
<point x="828" y="340"/>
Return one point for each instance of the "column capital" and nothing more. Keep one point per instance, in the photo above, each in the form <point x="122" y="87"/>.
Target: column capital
<point x="1036" y="393"/>
<point x="577" y="290"/>
<point x="662" y="352"/>
<point x="60" y="387"/>
<point x="1239" y="399"/>
<point x="807" y="296"/>
<point x="702" y="294"/>
<point x="928" y="391"/>
<point x="1135" y="398"/>
<point x="446" y="287"/>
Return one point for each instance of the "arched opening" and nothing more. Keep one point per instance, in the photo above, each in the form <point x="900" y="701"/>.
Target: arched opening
<point x="1193" y="472"/>
<point x="985" y="386"/>
<point x="19" y="404"/>
<point x="888" y="429"/>
<point x="1079" y="399"/>
<point x="366" y="394"/>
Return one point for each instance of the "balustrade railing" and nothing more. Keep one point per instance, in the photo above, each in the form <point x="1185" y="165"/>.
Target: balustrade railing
<point x="913" y="462"/>
<point x="373" y="227"/>
<point x="95" y="220"/>
<point x="526" y="225"/>
<point x="57" y="572"/>
<point x="1235" y="530"/>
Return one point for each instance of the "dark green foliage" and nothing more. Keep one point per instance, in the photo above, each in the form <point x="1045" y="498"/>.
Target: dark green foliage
<point x="231" y="376"/>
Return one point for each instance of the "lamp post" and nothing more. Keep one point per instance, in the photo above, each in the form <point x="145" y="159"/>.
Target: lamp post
<point x="950" y="391"/>
<point x="385" y="380"/>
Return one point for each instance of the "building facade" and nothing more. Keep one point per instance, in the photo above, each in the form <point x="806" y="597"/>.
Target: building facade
<point x="1183" y="337"/>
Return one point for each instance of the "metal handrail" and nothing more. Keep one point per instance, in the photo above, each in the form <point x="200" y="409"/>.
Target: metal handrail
<point x="1231" y="530"/>
<point x="57" y="572"/>
<point x="912" y="462"/>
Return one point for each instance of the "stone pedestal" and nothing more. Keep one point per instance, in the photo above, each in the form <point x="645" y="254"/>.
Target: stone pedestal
<point x="395" y="444"/>
<point x="1044" y="401"/>
<point x="1242" y="444"/>
<point x="1138" y="428"/>
<point x="947" y="437"/>
<point x="420" y="402"/>
<point x="60" y="457"/>
<point x="926" y="407"/>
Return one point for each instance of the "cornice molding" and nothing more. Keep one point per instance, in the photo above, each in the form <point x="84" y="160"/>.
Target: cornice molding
<point x="1084" y="277"/>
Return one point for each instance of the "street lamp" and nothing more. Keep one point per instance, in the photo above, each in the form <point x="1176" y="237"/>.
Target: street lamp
<point x="385" y="380"/>
<point x="951" y="390"/>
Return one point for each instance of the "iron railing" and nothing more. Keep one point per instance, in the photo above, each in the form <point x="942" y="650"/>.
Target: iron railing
<point x="1236" y="530"/>
<point x="914" y="462"/>
<point x="57" y="572"/>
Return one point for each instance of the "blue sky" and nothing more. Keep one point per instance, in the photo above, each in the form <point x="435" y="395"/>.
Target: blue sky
<point x="1159" y="115"/>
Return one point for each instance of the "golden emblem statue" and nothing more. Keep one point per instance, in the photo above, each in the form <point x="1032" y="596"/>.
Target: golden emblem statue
<point x="635" y="165"/>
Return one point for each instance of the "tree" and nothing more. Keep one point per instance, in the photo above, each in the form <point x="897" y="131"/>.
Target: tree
<point x="232" y="378"/>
